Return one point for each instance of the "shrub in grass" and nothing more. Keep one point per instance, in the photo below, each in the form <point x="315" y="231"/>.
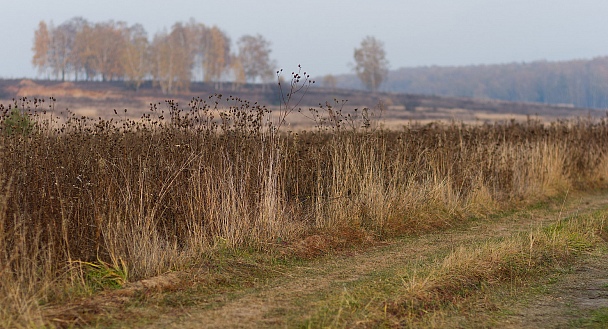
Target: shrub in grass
<point x="17" y="122"/>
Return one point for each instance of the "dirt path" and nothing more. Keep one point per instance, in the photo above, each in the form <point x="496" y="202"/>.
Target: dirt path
<point x="297" y="295"/>
<point x="573" y="297"/>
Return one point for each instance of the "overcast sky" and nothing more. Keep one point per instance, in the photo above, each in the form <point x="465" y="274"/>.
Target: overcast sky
<point x="322" y="34"/>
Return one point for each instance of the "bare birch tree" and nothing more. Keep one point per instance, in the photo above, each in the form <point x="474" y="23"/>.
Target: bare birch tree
<point x="217" y="54"/>
<point x="172" y="60"/>
<point x="254" y="54"/>
<point x="42" y="43"/>
<point x="238" y="72"/>
<point x="107" y="45"/>
<point x="371" y="64"/>
<point x="135" y="57"/>
<point x="62" y="61"/>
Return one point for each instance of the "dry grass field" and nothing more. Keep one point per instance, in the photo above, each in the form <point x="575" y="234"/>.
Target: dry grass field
<point x="89" y="205"/>
<point x="99" y="99"/>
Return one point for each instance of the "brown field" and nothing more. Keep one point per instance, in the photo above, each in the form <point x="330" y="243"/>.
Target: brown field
<point x="91" y="205"/>
<point x="99" y="99"/>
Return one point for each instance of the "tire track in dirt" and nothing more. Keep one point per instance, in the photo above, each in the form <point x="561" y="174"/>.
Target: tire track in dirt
<point x="304" y="287"/>
<point x="574" y="296"/>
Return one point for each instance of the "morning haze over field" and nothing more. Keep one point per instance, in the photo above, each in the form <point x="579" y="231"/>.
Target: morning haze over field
<point x="543" y="46"/>
<point x="313" y="164"/>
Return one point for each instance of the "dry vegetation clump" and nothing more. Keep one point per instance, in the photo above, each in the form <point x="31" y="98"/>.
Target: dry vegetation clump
<point x="469" y="270"/>
<point x="87" y="201"/>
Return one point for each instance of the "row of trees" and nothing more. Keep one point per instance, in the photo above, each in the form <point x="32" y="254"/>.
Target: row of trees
<point x="80" y="50"/>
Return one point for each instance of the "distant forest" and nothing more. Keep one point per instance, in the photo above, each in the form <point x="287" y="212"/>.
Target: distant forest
<point x="191" y="51"/>
<point x="114" y="51"/>
<point x="581" y="83"/>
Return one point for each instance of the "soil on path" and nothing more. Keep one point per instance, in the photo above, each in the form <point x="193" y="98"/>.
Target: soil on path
<point x="569" y="300"/>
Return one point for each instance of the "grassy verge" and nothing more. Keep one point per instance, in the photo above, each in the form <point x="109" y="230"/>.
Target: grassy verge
<point x="216" y="280"/>
<point x="341" y="290"/>
<point x="598" y="319"/>
<point x="473" y="283"/>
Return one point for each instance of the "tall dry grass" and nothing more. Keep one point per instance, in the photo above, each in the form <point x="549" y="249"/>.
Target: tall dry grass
<point x="147" y="196"/>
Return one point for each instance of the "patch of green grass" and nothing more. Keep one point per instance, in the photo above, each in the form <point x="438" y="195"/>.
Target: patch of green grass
<point x="597" y="319"/>
<point x="550" y="204"/>
<point x="182" y="298"/>
<point x="503" y="213"/>
<point x="228" y="275"/>
<point x="101" y="275"/>
<point x="541" y="205"/>
<point x="351" y="303"/>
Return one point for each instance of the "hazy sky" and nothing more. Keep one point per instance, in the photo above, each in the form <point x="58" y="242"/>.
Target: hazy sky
<point x="322" y="34"/>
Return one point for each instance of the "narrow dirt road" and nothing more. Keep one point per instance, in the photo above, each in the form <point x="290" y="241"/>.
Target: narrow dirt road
<point x="575" y="295"/>
<point x="292" y="298"/>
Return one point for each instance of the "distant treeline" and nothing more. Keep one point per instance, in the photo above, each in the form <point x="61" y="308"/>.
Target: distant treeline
<point x="114" y="51"/>
<point x="582" y="83"/>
